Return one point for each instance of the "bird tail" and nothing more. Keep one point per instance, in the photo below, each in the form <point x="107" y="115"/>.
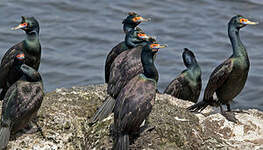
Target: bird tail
<point x="198" y="107"/>
<point x="4" y="136"/>
<point x="105" y="110"/>
<point x="121" y="142"/>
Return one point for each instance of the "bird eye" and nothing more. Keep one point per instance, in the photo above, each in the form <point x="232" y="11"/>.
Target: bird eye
<point x="24" y="24"/>
<point x="243" y="20"/>
<point x="154" y="45"/>
<point x="135" y="19"/>
<point x="140" y="35"/>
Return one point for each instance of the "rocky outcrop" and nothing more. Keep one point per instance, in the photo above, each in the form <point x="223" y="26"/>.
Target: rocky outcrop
<point x="65" y="113"/>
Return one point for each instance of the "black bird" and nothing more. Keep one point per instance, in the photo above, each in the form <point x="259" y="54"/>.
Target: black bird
<point x="135" y="101"/>
<point x="229" y="78"/>
<point x="30" y="46"/>
<point x="188" y="84"/>
<point x="21" y="102"/>
<point x="131" y="39"/>
<point x="126" y="66"/>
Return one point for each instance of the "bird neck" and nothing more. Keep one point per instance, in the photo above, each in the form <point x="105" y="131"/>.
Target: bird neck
<point x="131" y="40"/>
<point x="30" y="74"/>
<point x="196" y="71"/>
<point x="193" y="71"/>
<point x="238" y="48"/>
<point x="32" y="36"/>
<point x="128" y="27"/>
<point x="149" y="69"/>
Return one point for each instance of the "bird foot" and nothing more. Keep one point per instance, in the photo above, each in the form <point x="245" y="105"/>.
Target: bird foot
<point x="230" y="116"/>
<point x="146" y="128"/>
<point x="157" y="91"/>
<point x="31" y="131"/>
<point x="238" y="111"/>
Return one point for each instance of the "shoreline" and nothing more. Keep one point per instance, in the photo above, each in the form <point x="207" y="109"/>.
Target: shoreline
<point x="65" y="113"/>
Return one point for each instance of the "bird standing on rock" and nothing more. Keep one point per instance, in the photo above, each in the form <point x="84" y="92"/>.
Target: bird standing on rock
<point x="126" y="66"/>
<point x="136" y="99"/>
<point x="131" y="39"/>
<point x="229" y="78"/>
<point x="21" y="102"/>
<point x="188" y="84"/>
<point x="30" y="47"/>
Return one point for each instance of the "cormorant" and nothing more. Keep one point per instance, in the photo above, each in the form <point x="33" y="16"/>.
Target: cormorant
<point x="135" y="101"/>
<point x="126" y="66"/>
<point x="131" y="39"/>
<point x="229" y="78"/>
<point x="21" y="102"/>
<point x="188" y="84"/>
<point x="31" y="48"/>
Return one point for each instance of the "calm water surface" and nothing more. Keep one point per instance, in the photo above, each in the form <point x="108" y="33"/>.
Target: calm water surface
<point x="77" y="35"/>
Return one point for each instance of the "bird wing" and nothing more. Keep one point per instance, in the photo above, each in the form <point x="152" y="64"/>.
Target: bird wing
<point x="218" y="77"/>
<point x="4" y="70"/>
<point x="22" y="99"/>
<point x="134" y="103"/>
<point x="11" y="53"/>
<point x="176" y="86"/>
<point x="111" y="57"/>
<point x="7" y="62"/>
<point x="126" y="66"/>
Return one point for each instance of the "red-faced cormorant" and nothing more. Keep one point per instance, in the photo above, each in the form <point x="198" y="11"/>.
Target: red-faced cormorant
<point x="188" y="84"/>
<point x="21" y="102"/>
<point x="30" y="46"/>
<point x="136" y="99"/>
<point x="126" y="66"/>
<point x="229" y="78"/>
<point x="132" y="39"/>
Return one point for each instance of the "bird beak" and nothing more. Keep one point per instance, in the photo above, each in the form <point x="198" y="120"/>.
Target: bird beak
<point x="20" y="26"/>
<point x="249" y="22"/>
<point x="141" y="19"/>
<point x="143" y="36"/>
<point x="156" y="47"/>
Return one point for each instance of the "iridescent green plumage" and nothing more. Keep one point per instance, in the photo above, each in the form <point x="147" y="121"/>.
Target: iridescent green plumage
<point x="229" y="78"/>
<point x="126" y="66"/>
<point x="135" y="101"/>
<point x="131" y="41"/>
<point x="30" y="47"/>
<point x="188" y="84"/>
<point x="21" y="103"/>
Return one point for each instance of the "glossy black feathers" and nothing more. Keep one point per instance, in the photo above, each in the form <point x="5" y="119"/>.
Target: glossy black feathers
<point x="229" y="78"/>
<point x="188" y="84"/>
<point x="30" y="47"/>
<point x="21" y="102"/>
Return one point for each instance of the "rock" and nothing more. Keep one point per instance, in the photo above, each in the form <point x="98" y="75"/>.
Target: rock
<point x="65" y="114"/>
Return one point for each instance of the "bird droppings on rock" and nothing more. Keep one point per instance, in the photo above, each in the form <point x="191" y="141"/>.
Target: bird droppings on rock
<point x="65" y="114"/>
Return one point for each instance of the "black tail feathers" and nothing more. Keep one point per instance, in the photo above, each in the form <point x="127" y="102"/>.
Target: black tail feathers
<point x="104" y="111"/>
<point x="121" y="142"/>
<point x="4" y="137"/>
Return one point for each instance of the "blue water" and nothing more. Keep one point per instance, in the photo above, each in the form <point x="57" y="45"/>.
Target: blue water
<point x="77" y="35"/>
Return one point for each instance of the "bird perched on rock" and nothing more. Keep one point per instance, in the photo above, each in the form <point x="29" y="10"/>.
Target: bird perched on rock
<point x="31" y="48"/>
<point x="132" y="39"/>
<point x="135" y="101"/>
<point x="229" y="78"/>
<point x="22" y="100"/>
<point x="126" y="66"/>
<point x="188" y="84"/>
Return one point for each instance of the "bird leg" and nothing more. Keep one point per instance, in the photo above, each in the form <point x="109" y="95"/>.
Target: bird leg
<point x="228" y="107"/>
<point x="236" y="111"/>
<point x="230" y="116"/>
<point x="145" y="126"/>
